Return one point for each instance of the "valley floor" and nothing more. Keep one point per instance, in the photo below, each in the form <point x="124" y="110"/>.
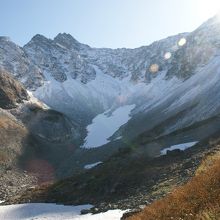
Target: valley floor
<point x="142" y="182"/>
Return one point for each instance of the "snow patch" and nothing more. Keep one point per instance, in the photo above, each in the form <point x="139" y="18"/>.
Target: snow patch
<point x="105" y="125"/>
<point x="60" y="45"/>
<point x="118" y="138"/>
<point x="40" y="211"/>
<point x="90" y="166"/>
<point x="182" y="146"/>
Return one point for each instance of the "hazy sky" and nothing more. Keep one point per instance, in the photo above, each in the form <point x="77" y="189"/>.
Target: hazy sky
<point x="103" y="23"/>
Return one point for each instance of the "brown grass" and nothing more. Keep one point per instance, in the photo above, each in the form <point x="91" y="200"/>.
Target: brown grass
<point x="198" y="199"/>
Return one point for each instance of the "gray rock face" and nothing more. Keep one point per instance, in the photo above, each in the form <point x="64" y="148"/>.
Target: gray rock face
<point x="59" y="58"/>
<point x="201" y="46"/>
<point x="65" y="57"/>
<point x="14" y="60"/>
<point x="50" y="125"/>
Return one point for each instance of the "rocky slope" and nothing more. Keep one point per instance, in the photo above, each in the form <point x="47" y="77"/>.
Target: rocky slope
<point x="11" y="92"/>
<point x="12" y="133"/>
<point x="127" y="180"/>
<point x="198" y="199"/>
<point x="34" y="139"/>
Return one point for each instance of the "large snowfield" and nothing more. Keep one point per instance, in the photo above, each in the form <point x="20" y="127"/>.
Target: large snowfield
<point x="40" y="211"/>
<point x="104" y="126"/>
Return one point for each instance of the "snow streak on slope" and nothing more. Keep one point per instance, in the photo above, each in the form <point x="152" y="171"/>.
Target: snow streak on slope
<point x="42" y="211"/>
<point x="183" y="146"/>
<point x="73" y="96"/>
<point x="104" y="92"/>
<point x="90" y="166"/>
<point x="105" y="125"/>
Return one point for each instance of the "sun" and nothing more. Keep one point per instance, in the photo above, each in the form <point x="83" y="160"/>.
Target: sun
<point x="207" y="8"/>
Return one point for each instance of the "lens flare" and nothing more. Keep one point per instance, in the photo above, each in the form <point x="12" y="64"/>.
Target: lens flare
<point x="41" y="169"/>
<point x="154" y="68"/>
<point x="167" y="55"/>
<point x="182" y="42"/>
<point x="121" y="99"/>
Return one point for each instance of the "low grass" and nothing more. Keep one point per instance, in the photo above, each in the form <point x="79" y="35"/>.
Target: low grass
<point x="198" y="199"/>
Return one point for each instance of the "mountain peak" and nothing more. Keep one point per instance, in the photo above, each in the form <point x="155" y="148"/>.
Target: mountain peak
<point x="214" y="21"/>
<point x="65" y="36"/>
<point x="67" y="40"/>
<point x="5" y="38"/>
<point x="39" y="39"/>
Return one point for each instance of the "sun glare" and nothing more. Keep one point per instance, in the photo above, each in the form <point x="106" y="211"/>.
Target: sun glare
<point x="207" y="8"/>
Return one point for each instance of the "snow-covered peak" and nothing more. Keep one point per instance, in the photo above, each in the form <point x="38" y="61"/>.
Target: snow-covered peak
<point x="14" y="60"/>
<point x="67" y="41"/>
<point x="64" y="57"/>
<point x="39" y="38"/>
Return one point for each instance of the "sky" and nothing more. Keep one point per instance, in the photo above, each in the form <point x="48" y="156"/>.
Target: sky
<point x="103" y="23"/>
